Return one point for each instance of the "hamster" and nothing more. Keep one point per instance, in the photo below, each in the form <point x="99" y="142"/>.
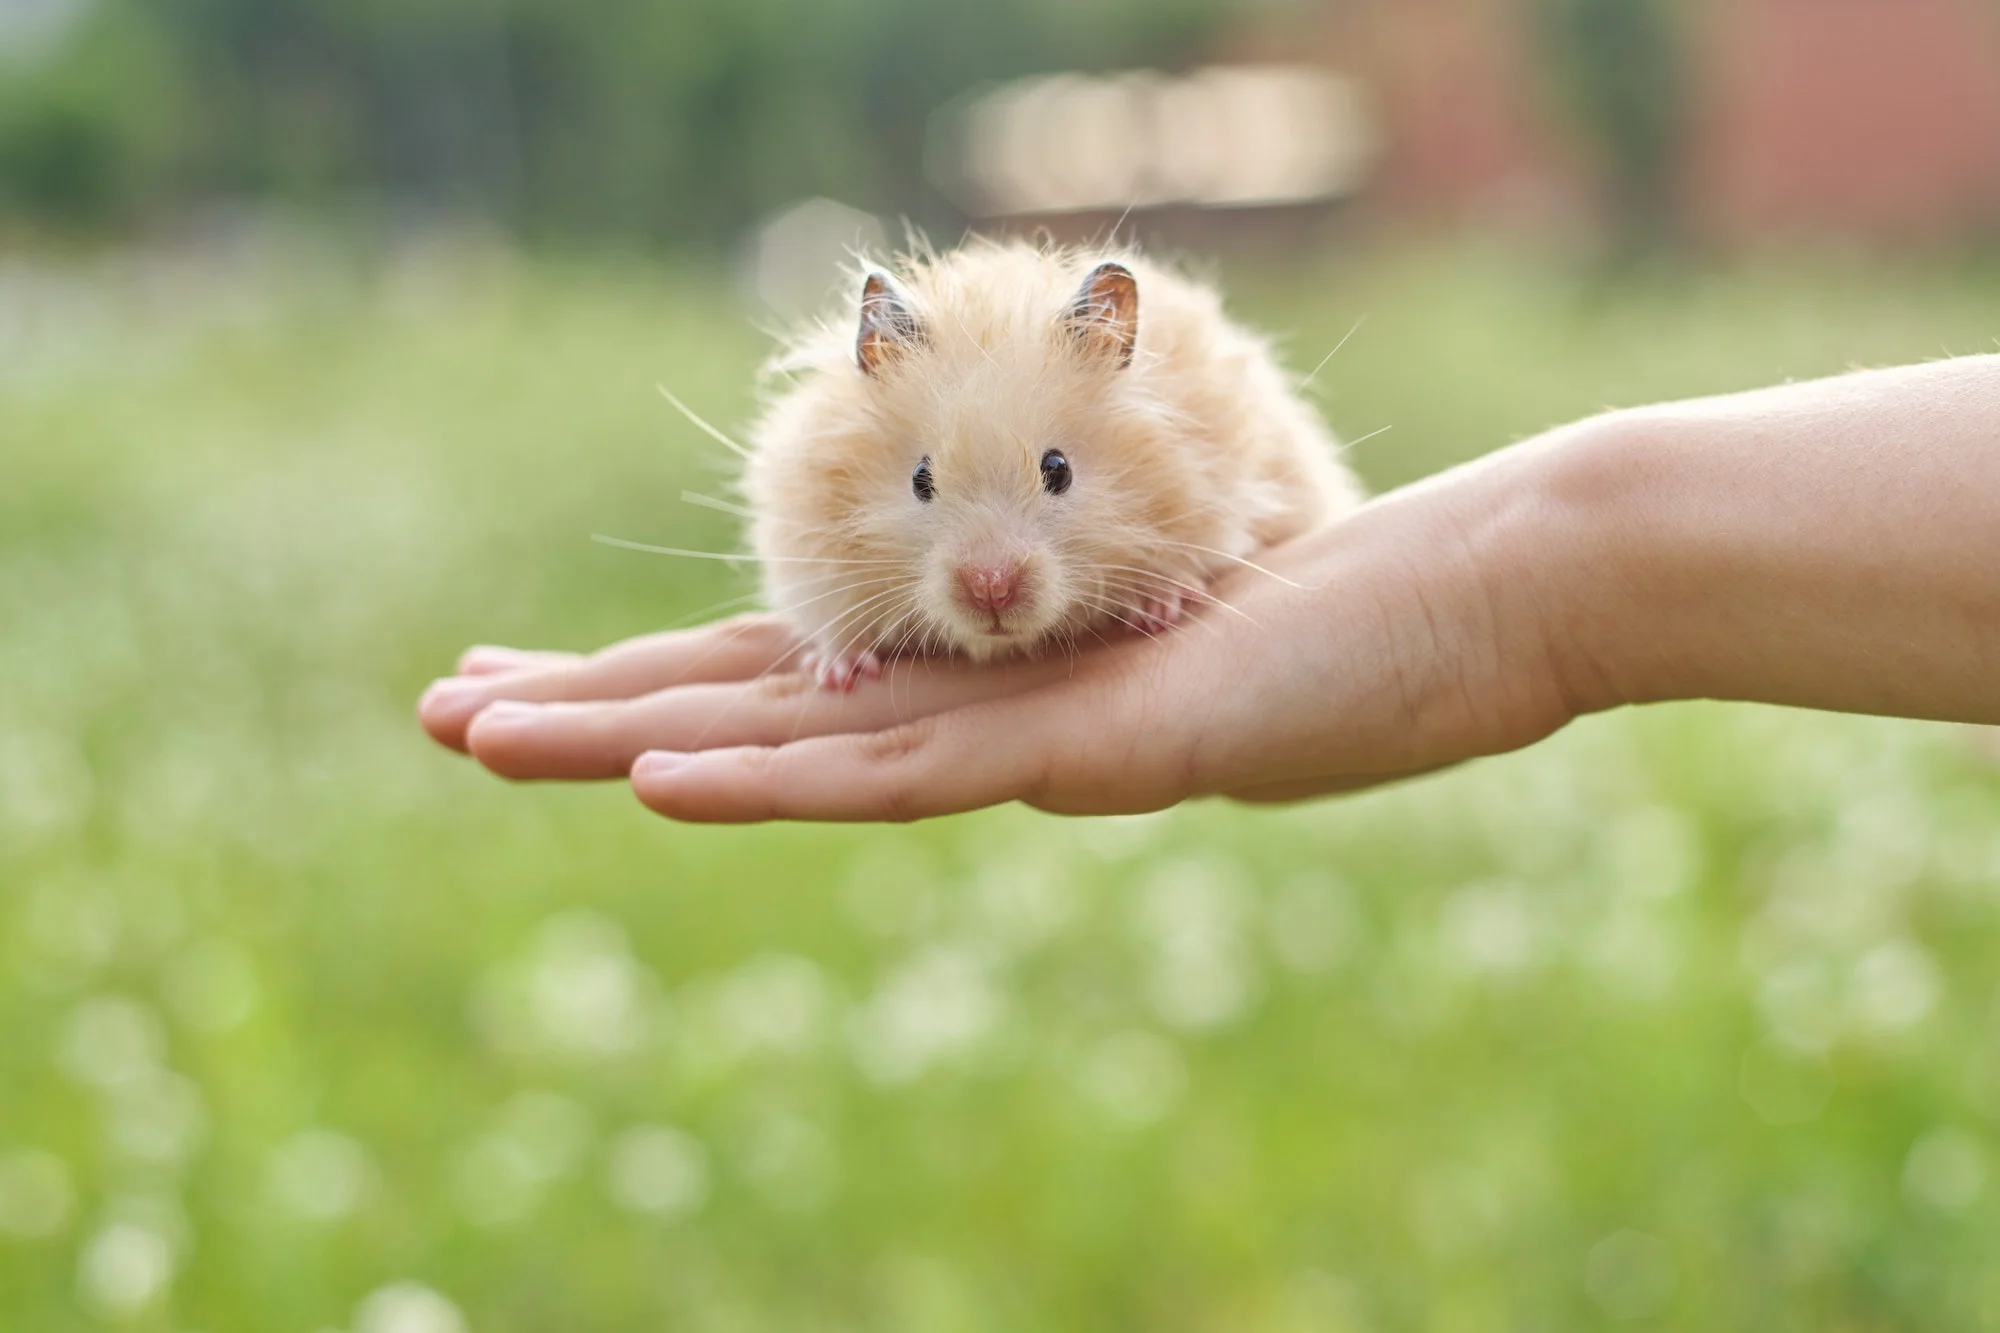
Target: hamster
<point x="1008" y="447"/>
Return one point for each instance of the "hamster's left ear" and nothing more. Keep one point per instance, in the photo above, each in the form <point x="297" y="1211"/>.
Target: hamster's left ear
<point x="1104" y="314"/>
<point x="888" y="324"/>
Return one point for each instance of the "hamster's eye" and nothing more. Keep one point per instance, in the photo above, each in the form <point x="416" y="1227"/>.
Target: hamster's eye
<point x="921" y="483"/>
<point x="1055" y="472"/>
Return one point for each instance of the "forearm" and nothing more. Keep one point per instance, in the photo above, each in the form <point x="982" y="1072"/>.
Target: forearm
<point x="1829" y="545"/>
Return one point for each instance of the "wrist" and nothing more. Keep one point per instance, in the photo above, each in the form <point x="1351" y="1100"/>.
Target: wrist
<point x="1504" y="559"/>
<point x="1593" y="552"/>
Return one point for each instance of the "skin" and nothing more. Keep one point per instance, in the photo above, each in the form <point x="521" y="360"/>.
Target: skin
<point x="1828" y="545"/>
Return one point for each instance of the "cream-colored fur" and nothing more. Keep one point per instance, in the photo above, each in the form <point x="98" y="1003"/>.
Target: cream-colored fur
<point x="1196" y="454"/>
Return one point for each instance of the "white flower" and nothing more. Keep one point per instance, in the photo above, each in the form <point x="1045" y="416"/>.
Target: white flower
<point x="125" y="1267"/>
<point x="774" y="1002"/>
<point x="110" y="1040"/>
<point x="1192" y="913"/>
<point x="534" y="1139"/>
<point x="577" y="992"/>
<point x="407" y="1307"/>
<point x="586" y="990"/>
<point x="159" y="1117"/>
<point x="938" y="1004"/>
<point x="1489" y="928"/>
<point x="320" y="1175"/>
<point x="658" y="1170"/>
<point x="1894" y="986"/>
<point x="1313" y="924"/>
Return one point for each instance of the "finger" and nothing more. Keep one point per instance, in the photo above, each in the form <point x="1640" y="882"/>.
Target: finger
<point x="1031" y="747"/>
<point x="488" y="659"/>
<point x="601" y="739"/>
<point x="730" y="650"/>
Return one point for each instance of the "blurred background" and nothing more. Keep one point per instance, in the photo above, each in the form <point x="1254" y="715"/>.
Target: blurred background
<point x="329" y="334"/>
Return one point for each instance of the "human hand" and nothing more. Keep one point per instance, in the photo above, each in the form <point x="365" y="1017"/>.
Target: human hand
<point x="1401" y="640"/>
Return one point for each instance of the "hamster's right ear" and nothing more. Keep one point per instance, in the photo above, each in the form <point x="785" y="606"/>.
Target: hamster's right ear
<point x="1104" y="313"/>
<point x="888" y="325"/>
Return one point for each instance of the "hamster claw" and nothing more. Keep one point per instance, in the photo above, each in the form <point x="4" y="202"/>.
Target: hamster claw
<point x="841" y="671"/>
<point x="1156" y="615"/>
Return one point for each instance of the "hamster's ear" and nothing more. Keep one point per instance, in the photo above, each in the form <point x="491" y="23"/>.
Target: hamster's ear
<point x="888" y="325"/>
<point x="1104" y="314"/>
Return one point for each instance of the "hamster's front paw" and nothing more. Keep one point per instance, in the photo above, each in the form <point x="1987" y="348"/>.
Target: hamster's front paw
<point x="842" y="669"/>
<point x="1155" y="615"/>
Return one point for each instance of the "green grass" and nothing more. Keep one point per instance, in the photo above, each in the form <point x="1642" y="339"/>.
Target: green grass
<point x="1684" y="1018"/>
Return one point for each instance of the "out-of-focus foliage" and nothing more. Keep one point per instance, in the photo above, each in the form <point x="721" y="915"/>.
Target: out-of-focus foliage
<point x="656" y="120"/>
<point x="98" y="132"/>
<point x="1685" y="1017"/>
<point x="1619" y="64"/>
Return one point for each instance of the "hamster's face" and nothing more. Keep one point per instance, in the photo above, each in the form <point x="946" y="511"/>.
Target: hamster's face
<point x="1004" y="477"/>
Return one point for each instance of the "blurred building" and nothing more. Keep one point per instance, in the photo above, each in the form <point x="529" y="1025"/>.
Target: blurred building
<point x="1876" y="119"/>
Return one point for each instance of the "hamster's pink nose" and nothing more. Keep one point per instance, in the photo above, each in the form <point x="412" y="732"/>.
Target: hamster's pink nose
<point x="989" y="588"/>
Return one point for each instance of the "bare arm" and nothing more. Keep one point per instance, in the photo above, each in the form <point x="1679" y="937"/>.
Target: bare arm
<point x="1831" y="545"/>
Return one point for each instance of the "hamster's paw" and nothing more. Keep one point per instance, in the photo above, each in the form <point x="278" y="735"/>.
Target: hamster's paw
<point x="1156" y="615"/>
<point x="841" y="670"/>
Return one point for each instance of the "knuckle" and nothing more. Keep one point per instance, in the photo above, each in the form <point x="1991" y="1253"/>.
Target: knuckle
<point x="758" y="763"/>
<point x="899" y="744"/>
<point x="782" y="686"/>
<point x="757" y="628"/>
<point x="902" y="794"/>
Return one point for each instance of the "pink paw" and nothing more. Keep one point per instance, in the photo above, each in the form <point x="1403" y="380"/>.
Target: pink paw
<point x="842" y="669"/>
<point x="1158" y="614"/>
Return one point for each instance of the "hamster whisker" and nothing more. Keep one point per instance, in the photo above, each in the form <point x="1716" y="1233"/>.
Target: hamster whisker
<point x="1137" y="591"/>
<point x="1306" y="383"/>
<point x="705" y="612"/>
<point x="793" y="657"/>
<point x="724" y="640"/>
<point x="910" y="631"/>
<point x="1195" y="594"/>
<point x="1069" y="630"/>
<point x="1346" y="445"/>
<point x="1105" y="609"/>
<point x="846" y="620"/>
<point x="794" y="608"/>
<point x="746" y="557"/>
<point x="1235" y="559"/>
<point x="721" y="506"/>
<point x="703" y="426"/>
<point x="873" y="634"/>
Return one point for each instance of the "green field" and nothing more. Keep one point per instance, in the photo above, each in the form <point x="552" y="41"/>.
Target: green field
<point x="1687" y="1019"/>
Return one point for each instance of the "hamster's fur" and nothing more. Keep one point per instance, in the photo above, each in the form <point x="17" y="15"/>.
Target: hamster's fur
<point x="1097" y="441"/>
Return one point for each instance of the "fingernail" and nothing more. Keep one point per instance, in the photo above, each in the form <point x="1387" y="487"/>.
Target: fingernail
<point x="450" y="692"/>
<point x="490" y="652"/>
<point x="657" y="763"/>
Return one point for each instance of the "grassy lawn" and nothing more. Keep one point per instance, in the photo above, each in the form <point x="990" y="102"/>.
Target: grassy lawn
<point x="1686" y="1018"/>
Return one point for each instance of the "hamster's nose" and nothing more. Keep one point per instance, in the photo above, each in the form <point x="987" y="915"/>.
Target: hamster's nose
<point x="988" y="588"/>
